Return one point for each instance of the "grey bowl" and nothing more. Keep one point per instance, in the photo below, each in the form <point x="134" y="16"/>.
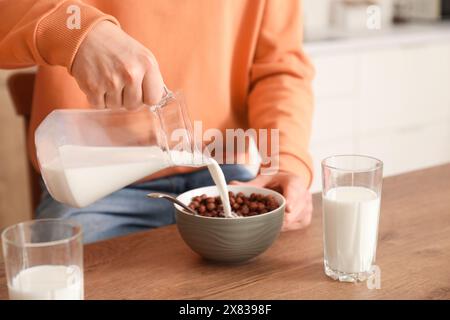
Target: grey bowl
<point x="229" y="240"/>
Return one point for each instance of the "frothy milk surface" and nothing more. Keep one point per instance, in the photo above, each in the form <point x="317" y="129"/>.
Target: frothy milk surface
<point x="83" y="175"/>
<point x="47" y="282"/>
<point x="350" y="217"/>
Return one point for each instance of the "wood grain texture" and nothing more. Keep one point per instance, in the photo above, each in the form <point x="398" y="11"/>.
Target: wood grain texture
<point x="413" y="254"/>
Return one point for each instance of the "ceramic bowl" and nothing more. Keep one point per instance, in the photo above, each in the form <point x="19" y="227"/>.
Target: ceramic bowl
<point x="229" y="239"/>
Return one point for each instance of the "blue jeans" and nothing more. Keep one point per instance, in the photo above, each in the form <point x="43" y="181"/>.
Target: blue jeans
<point x="129" y="210"/>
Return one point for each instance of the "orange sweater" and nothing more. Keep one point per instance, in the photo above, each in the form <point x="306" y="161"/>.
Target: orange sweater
<point x="239" y="63"/>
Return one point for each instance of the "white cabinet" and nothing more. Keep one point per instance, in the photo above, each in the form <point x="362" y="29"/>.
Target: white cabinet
<point x="404" y="86"/>
<point x="336" y="75"/>
<point x="405" y="150"/>
<point x="392" y="103"/>
<point x="335" y="87"/>
<point x="334" y="118"/>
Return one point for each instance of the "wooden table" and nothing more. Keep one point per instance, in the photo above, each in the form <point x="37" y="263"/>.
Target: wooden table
<point x="413" y="255"/>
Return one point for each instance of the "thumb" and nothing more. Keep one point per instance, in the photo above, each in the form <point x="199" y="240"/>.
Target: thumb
<point x="259" y="181"/>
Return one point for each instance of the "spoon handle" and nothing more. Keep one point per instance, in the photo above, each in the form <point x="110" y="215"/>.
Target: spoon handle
<point x="156" y="195"/>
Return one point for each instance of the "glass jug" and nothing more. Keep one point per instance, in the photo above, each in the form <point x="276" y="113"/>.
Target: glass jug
<point x="87" y="154"/>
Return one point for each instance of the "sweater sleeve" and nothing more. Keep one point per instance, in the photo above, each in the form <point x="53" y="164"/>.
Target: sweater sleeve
<point x="42" y="32"/>
<point x="280" y="94"/>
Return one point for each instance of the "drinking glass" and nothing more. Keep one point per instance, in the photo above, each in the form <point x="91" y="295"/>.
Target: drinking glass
<point x="351" y="197"/>
<point x="44" y="260"/>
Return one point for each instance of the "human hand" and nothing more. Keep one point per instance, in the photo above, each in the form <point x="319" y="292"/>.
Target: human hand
<point x="114" y="70"/>
<point x="298" y="198"/>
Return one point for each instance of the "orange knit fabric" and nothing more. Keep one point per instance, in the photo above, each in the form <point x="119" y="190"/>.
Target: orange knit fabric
<point x="240" y="63"/>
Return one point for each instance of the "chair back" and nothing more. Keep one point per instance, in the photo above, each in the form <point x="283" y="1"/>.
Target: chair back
<point x="21" y="87"/>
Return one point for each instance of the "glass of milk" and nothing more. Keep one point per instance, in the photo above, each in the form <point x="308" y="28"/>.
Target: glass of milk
<point x="44" y="260"/>
<point x="351" y="208"/>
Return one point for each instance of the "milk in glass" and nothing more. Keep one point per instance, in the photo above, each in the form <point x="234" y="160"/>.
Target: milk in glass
<point x="350" y="217"/>
<point x="47" y="282"/>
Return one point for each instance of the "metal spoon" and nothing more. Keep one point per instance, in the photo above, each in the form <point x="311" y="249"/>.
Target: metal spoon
<point x="157" y="195"/>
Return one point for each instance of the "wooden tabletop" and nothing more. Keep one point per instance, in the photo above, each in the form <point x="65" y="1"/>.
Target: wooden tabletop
<point x="413" y="256"/>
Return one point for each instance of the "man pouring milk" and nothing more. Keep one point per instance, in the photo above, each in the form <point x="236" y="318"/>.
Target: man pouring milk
<point x="240" y="64"/>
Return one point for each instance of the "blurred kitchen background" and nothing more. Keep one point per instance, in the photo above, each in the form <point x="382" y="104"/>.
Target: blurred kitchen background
<point x="382" y="88"/>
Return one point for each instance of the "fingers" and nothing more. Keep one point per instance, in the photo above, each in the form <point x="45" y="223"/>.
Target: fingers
<point x="298" y="204"/>
<point x="97" y="100"/>
<point x="307" y="216"/>
<point x="134" y="89"/>
<point x="117" y="73"/>
<point x="132" y="95"/>
<point x="152" y="87"/>
<point x="298" y="220"/>
<point x="303" y="222"/>
<point x="113" y="99"/>
<point x="293" y="191"/>
<point x="298" y="198"/>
